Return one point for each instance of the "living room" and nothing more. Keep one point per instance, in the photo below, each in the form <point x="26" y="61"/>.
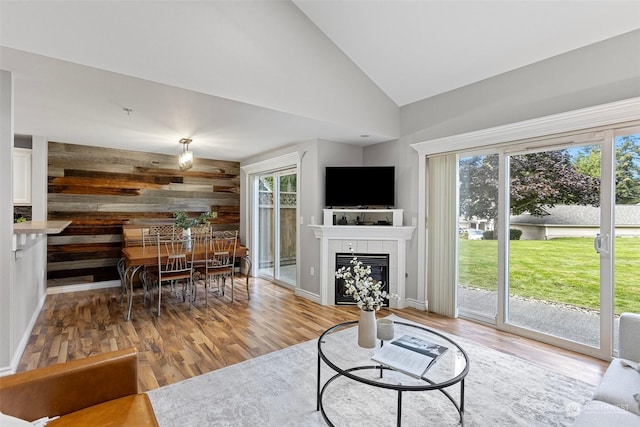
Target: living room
<point x="336" y="115"/>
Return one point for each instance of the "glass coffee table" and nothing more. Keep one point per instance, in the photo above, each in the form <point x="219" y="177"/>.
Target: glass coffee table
<point x="339" y="350"/>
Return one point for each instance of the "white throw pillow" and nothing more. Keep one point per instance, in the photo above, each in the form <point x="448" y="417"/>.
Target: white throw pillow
<point x="9" y="421"/>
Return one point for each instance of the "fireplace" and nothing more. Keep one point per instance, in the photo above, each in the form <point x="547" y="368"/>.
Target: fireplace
<point x="379" y="264"/>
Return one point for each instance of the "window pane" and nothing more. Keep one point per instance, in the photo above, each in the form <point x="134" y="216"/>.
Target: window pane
<point x="627" y="225"/>
<point x="477" y="249"/>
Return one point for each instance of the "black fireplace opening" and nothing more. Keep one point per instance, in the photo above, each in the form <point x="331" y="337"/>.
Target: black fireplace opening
<point x="379" y="264"/>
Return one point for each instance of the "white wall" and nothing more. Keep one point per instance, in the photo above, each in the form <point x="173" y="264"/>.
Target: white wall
<point x="329" y="154"/>
<point x="383" y="154"/>
<point x="6" y="214"/>
<point x="28" y="292"/>
<point x="597" y="74"/>
<point x="604" y="72"/>
<point x="392" y="154"/>
<point x="23" y="283"/>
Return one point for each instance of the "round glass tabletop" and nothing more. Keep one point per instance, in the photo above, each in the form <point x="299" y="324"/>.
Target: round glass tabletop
<point x="444" y="362"/>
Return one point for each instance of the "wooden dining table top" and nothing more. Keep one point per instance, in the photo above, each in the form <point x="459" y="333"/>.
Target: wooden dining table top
<point x="148" y="255"/>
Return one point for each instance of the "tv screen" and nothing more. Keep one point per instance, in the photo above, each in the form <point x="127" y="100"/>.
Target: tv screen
<point x="363" y="186"/>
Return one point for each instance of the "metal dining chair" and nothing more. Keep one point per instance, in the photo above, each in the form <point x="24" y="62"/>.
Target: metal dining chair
<point x="150" y="239"/>
<point x="220" y="265"/>
<point x="175" y="262"/>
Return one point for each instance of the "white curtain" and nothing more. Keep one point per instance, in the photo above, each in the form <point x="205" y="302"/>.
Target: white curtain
<point x="442" y="234"/>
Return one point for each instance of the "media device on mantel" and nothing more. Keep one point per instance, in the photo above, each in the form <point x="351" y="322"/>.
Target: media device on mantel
<point x="359" y="186"/>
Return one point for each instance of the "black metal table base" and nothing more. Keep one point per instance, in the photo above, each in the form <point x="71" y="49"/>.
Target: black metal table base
<point x="320" y="393"/>
<point x="428" y="385"/>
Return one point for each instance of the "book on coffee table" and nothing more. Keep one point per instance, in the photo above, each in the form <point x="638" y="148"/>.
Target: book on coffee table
<point x="410" y="355"/>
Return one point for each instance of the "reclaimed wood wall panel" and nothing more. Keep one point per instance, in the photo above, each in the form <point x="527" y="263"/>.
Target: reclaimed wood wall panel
<point x="102" y="189"/>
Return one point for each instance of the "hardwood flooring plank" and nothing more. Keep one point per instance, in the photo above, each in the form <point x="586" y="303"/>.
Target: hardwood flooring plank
<point x="186" y="342"/>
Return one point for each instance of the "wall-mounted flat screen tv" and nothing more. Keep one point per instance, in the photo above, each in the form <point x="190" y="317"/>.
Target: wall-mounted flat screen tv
<point x="359" y="186"/>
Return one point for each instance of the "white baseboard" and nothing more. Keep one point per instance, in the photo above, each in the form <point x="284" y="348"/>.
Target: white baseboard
<point x="22" y="345"/>
<point x="414" y="303"/>
<point x="83" y="287"/>
<point x="307" y="295"/>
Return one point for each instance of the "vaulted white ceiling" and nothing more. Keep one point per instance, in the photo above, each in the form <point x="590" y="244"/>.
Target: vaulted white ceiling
<point x="416" y="49"/>
<point x="244" y="77"/>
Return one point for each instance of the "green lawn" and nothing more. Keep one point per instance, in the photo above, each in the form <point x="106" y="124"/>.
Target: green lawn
<point x="559" y="270"/>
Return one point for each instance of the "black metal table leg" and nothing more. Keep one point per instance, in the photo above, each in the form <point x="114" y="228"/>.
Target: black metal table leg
<point x="399" y="422"/>
<point x="381" y="370"/>
<point x="462" y="402"/>
<point x="318" y="388"/>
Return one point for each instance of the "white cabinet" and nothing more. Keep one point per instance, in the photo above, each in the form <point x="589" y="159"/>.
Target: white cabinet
<point x="21" y="176"/>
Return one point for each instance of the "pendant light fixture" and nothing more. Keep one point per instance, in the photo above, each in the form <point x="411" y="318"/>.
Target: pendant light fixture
<point x="185" y="160"/>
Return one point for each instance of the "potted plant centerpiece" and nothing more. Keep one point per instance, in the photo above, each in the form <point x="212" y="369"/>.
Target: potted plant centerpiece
<point x="368" y="295"/>
<point x="185" y="223"/>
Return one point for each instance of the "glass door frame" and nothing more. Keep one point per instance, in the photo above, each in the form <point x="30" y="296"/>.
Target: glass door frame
<point x="607" y="202"/>
<point x="249" y="203"/>
<point x="273" y="243"/>
<point x="276" y="222"/>
<point x="618" y="132"/>
<point x="488" y="318"/>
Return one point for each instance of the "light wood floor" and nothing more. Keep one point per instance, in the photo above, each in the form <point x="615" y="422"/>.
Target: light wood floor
<point x="183" y="343"/>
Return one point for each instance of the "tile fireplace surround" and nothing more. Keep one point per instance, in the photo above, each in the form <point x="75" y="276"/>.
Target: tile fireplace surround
<point x="364" y="239"/>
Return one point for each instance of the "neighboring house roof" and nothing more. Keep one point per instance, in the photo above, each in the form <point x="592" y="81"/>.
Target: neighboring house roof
<point x="626" y="215"/>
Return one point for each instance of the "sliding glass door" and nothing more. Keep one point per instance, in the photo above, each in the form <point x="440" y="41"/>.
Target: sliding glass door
<point x="556" y="245"/>
<point x="276" y="213"/>
<point x="536" y="238"/>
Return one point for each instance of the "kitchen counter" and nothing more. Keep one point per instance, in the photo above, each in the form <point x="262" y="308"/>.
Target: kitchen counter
<point x="40" y="227"/>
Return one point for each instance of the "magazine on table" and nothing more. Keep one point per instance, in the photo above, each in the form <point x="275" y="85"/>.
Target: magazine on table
<point x="411" y="355"/>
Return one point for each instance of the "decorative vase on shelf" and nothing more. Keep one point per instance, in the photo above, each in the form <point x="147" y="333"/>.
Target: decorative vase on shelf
<point x="367" y="329"/>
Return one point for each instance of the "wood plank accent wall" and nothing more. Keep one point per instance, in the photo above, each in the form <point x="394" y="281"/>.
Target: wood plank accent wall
<point x="101" y="189"/>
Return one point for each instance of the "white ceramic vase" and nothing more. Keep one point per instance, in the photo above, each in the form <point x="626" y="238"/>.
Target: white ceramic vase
<point x="367" y="329"/>
<point x="186" y="233"/>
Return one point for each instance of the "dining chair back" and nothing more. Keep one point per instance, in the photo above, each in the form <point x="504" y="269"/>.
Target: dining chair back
<point x="200" y="237"/>
<point x="220" y="265"/>
<point x="166" y="231"/>
<point x="175" y="261"/>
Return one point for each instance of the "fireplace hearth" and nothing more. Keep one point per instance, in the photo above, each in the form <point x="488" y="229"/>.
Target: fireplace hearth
<point x="379" y="264"/>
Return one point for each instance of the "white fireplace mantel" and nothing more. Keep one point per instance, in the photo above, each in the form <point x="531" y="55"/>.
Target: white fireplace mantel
<point x="363" y="239"/>
<point x="362" y="232"/>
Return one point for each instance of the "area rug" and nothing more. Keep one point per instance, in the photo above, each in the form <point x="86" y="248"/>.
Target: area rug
<point x="279" y="389"/>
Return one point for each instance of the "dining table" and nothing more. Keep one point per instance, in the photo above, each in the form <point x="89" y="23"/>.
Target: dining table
<point x="138" y="257"/>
